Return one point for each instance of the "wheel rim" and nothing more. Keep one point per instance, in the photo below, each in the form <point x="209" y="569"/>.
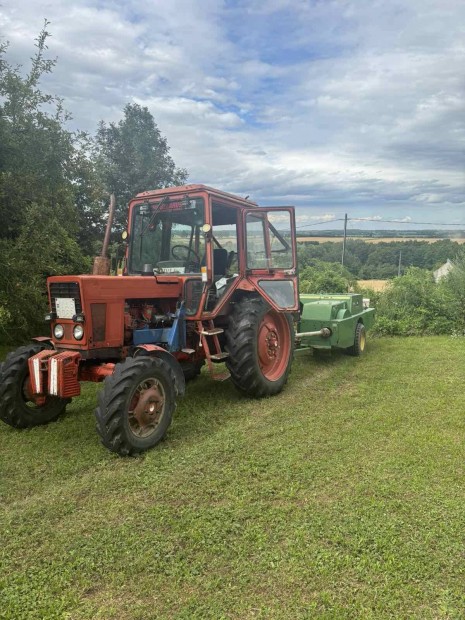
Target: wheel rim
<point x="274" y="345"/>
<point x="363" y="340"/>
<point x="146" y="407"/>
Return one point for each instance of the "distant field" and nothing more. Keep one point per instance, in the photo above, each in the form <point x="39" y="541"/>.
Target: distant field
<point x="377" y="239"/>
<point x="376" y="285"/>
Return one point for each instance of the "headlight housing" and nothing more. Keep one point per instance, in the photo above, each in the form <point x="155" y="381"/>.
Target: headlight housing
<point x="78" y="332"/>
<point x="58" y="331"/>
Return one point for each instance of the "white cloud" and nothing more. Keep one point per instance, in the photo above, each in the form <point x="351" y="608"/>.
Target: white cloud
<point x="332" y="106"/>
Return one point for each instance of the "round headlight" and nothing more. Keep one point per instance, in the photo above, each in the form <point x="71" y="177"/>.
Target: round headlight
<point x="58" y="331"/>
<point x="78" y="332"/>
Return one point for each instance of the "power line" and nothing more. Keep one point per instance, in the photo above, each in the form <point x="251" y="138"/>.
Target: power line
<point x="339" y="219"/>
<point x="365" y="219"/>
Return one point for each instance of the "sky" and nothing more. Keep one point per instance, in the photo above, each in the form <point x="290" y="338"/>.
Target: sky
<point x="334" y="106"/>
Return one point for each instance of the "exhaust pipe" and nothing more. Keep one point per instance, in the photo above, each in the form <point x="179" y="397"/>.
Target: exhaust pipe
<point x="102" y="262"/>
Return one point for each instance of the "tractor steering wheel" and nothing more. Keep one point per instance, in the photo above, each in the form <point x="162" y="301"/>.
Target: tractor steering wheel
<point x="188" y="252"/>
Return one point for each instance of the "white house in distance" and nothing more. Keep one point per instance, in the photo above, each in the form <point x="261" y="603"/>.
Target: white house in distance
<point x="443" y="270"/>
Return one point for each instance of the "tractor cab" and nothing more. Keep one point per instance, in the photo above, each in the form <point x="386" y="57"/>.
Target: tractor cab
<point x="215" y="243"/>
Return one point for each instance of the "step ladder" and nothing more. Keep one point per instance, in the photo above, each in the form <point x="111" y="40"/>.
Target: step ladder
<point x="213" y="354"/>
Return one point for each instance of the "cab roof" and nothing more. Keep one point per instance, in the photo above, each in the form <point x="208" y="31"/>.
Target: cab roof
<point x="216" y="194"/>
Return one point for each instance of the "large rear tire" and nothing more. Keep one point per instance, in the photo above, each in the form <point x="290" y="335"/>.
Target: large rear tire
<point x="136" y="405"/>
<point x="260" y="343"/>
<point x="18" y="406"/>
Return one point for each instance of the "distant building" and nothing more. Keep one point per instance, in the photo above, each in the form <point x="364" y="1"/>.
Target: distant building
<point x="443" y="270"/>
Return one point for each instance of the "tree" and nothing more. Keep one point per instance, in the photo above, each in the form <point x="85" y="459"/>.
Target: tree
<point x="35" y="149"/>
<point x="54" y="186"/>
<point x="132" y="156"/>
<point x="37" y="193"/>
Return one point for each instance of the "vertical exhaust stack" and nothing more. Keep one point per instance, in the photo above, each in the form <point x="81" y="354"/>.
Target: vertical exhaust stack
<point x="102" y="262"/>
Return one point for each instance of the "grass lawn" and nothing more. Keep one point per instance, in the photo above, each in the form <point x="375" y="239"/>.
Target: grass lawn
<point x="343" y="497"/>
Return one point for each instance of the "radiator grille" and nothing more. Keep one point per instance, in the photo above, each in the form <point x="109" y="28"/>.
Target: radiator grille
<point x="60" y="290"/>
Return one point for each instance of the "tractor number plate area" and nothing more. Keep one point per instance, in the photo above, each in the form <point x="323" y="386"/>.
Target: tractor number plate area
<point x="65" y="307"/>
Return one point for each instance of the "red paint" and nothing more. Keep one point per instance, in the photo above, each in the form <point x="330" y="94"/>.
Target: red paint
<point x="96" y="373"/>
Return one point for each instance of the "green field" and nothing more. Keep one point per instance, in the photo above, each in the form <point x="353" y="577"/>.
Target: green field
<point x="343" y="497"/>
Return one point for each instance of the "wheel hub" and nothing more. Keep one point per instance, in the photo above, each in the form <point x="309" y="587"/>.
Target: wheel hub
<point x="362" y="341"/>
<point x="146" y="408"/>
<point x="272" y="344"/>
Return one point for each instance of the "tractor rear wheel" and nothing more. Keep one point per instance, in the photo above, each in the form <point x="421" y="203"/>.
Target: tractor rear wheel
<point x="136" y="405"/>
<point x="260" y="343"/>
<point x="19" y="407"/>
<point x="360" y="340"/>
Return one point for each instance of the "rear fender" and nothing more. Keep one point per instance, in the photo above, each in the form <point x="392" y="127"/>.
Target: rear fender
<point x="156" y="351"/>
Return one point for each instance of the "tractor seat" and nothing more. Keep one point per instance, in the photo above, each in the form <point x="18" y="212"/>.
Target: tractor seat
<point x="220" y="261"/>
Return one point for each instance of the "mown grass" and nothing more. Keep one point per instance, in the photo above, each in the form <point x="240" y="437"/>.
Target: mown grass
<point x="343" y="497"/>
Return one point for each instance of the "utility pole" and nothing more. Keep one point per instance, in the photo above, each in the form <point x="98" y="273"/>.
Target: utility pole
<point x="400" y="263"/>
<point x="344" y="240"/>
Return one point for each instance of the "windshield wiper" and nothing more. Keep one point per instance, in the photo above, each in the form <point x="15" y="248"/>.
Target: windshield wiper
<point x="156" y="208"/>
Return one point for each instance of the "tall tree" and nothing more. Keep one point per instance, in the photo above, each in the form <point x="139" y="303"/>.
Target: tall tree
<point x="37" y="193"/>
<point x="133" y="156"/>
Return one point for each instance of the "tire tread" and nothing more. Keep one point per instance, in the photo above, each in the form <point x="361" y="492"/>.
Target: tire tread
<point x="241" y="345"/>
<point x="12" y="411"/>
<point x="111" y="408"/>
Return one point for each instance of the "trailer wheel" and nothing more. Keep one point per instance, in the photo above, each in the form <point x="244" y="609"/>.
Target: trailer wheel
<point x="136" y="405"/>
<point x="260" y="343"/>
<point x="18" y="406"/>
<point x="360" y="340"/>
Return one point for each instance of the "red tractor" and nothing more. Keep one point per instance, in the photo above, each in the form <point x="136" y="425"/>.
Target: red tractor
<point x="208" y="277"/>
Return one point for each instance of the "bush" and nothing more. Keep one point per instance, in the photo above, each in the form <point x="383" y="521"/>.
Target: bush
<point x="453" y="286"/>
<point x="42" y="248"/>
<point x="415" y="304"/>
<point x="326" y="278"/>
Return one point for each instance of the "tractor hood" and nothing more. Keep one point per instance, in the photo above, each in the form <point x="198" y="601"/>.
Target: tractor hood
<point x="98" y="304"/>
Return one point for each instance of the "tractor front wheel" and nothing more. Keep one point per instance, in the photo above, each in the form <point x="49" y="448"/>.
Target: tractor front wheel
<point x="19" y="407"/>
<point x="260" y="343"/>
<point x="136" y="405"/>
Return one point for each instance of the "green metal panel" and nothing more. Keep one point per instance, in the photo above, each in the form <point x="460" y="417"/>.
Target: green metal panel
<point x="340" y="313"/>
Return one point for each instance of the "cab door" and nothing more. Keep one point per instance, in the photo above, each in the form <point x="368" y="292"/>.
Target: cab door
<point x="268" y="255"/>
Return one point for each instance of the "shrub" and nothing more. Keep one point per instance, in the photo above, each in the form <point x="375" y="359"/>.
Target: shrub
<point x="324" y="277"/>
<point x="415" y="304"/>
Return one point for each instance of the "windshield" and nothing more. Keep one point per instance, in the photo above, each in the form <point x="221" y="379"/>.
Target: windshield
<point x="166" y="237"/>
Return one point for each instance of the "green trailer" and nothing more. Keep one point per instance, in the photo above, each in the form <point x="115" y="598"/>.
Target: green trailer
<point x="334" y="322"/>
